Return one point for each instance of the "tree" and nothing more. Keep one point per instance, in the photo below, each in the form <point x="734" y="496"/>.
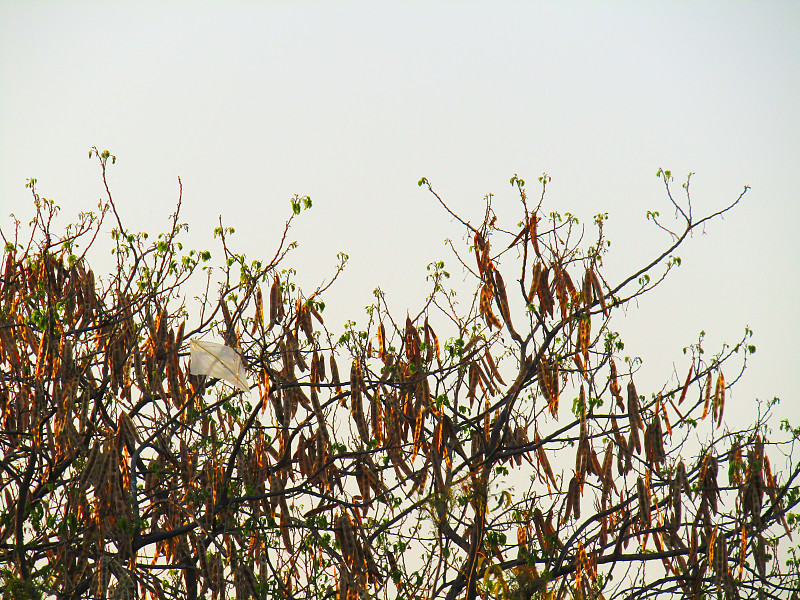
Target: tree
<point x="513" y="457"/>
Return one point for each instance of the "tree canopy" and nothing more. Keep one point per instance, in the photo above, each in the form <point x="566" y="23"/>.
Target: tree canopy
<point x="490" y="445"/>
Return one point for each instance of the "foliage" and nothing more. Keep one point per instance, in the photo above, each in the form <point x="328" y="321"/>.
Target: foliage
<point x="387" y="461"/>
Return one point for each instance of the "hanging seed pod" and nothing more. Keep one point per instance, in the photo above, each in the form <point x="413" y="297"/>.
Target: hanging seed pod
<point x="539" y="525"/>
<point x="348" y="541"/>
<point x="535" y="280"/>
<point x="735" y="464"/>
<point x="686" y="385"/>
<point x="548" y="370"/>
<point x="304" y="319"/>
<point x="534" y="236"/>
<point x="586" y="291"/>
<point x="654" y="442"/>
<point x="760" y="555"/>
<point x="335" y="376"/>
<point x="219" y="575"/>
<point x="542" y="458"/>
<point x="708" y="478"/>
<point x="502" y="299"/>
<point x="707" y="397"/>
<point x="485" y="307"/>
<point x="634" y="414"/>
<point x="633" y="441"/>
<point x="720" y="559"/>
<point x="560" y="286"/>
<point x="683" y="479"/>
<point x="644" y="503"/>
<point x="127" y="430"/>
<point x="574" y="497"/>
<point x="598" y="292"/>
<point x="594" y="467"/>
<point x="319" y="416"/>
<point x="87" y="475"/>
<point x="356" y="408"/>
<point x="719" y="399"/>
<point x="613" y="384"/>
<point x="258" y="317"/>
<point x="606" y="476"/>
<point x="293" y="347"/>
<point x="546" y="302"/>
<point x="276" y="310"/>
<point x="676" y="501"/>
<point x="376" y="413"/>
<point x="550" y="532"/>
<point x="584" y="335"/>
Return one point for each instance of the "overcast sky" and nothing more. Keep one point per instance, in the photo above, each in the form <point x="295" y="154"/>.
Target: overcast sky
<point x="351" y="103"/>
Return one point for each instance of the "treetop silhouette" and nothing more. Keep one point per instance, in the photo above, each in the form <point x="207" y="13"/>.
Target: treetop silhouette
<point x="491" y="445"/>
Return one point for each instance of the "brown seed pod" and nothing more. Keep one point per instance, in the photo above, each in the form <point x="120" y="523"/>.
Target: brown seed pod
<point x="707" y="397"/>
<point x="546" y="302"/>
<point x="760" y="555"/>
<point x="654" y="442"/>
<point x="534" y="236"/>
<point x="294" y="347"/>
<point x="634" y="442"/>
<point x="127" y="430"/>
<point x="502" y="299"/>
<point x="720" y="559"/>
<point x="570" y="286"/>
<point x="719" y="399"/>
<point x="485" y="306"/>
<point x="90" y="466"/>
<point x="584" y="334"/>
<point x="276" y="310"/>
<point x="598" y="292"/>
<point x="594" y="463"/>
<point x="551" y="533"/>
<point x="735" y="462"/>
<point x="683" y="479"/>
<point x="356" y="408"/>
<point x="335" y="376"/>
<point x="258" y="317"/>
<point x="574" y="494"/>
<point x="542" y="457"/>
<point x="495" y="373"/>
<point x="634" y="414"/>
<point x="535" y="279"/>
<point x="708" y="480"/>
<point x="606" y="476"/>
<point x="561" y="289"/>
<point x="586" y="290"/>
<point x="644" y="503"/>
<point x="686" y="385"/>
<point x="219" y="575"/>
<point x="284" y="526"/>
<point x="376" y="413"/>
<point x="613" y="384"/>
<point x="548" y="382"/>
<point x="540" y="528"/>
<point x="522" y="537"/>
<point x="105" y="464"/>
<point x="348" y="541"/>
<point x="418" y="438"/>
<point x="676" y="501"/>
<point x="202" y="558"/>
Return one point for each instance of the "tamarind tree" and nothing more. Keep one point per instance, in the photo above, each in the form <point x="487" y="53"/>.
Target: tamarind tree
<point x="495" y="447"/>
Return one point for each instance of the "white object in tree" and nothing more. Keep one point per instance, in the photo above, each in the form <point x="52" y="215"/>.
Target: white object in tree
<point x="218" y="360"/>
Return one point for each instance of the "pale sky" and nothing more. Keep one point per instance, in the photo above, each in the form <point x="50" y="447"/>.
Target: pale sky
<point x="351" y="103"/>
